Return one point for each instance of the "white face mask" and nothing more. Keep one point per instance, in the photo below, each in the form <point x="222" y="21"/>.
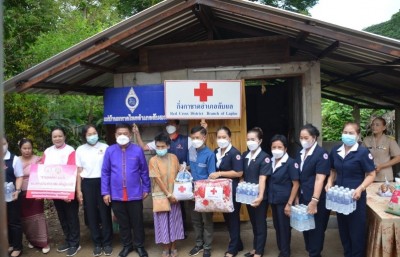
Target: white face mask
<point x="306" y="144"/>
<point x="252" y="145"/>
<point x="277" y="153"/>
<point x="196" y="143"/>
<point x="170" y="129"/>
<point x="222" y="143"/>
<point x="122" y="140"/>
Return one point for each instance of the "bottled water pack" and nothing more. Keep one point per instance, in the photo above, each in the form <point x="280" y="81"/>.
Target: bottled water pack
<point x="9" y="189"/>
<point x="340" y="200"/>
<point x="300" y="219"/>
<point x="246" y="192"/>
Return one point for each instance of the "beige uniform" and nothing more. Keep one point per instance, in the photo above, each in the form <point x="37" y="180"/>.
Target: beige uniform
<point x="382" y="153"/>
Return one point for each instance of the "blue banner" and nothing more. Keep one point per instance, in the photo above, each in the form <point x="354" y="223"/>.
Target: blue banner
<point x="138" y="104"/>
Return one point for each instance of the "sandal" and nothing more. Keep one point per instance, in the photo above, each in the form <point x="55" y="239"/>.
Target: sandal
<point x="165" y="254"/>
<point x="19" y="254"/>
<point x="174" y="253"/>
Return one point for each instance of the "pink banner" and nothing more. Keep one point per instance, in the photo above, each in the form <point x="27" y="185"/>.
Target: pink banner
<point x="52" y="181"/>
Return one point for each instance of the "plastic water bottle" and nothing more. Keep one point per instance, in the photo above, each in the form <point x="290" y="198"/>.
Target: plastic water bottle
<point x="340" y="203"/>
<point x="353" y="201"/>
<point x="9" y="189"/>
<point x="328" y="202"/>
<point x="334" y="199"/>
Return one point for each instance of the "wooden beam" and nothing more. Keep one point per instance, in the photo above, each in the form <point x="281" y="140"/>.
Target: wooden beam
<point x="97" y="67"/>
<point x="300" y="39"/>
<point x="351" y="100"/>
<point x="345" y="101"/>
<point x="204" y="15"/>
<point x="120" y="50"/>
<point x="329" y="49"/>
<point x="184" y="5"/>
<point x="229" y="52"/>
<point x="64" y="88"/>
<point x="285" y="21"/>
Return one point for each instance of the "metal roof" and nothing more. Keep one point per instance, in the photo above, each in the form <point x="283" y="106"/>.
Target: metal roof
<point x="356" y="67"/>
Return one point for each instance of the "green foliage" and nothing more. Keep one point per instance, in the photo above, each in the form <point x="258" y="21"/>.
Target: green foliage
<point x="299" y="6"/>
<point x="335" y="115"/>
<point x="390" y="28"/>
<point x="24" y="20"/>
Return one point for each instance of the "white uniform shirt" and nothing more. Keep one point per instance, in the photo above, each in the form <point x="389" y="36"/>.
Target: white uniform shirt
<point x="90" y="159"/>
<point x="59" y="156"/>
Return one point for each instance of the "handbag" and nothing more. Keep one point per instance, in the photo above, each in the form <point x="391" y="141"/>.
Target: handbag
<point x="160" y="201"/>
<point x="183" y="187"/>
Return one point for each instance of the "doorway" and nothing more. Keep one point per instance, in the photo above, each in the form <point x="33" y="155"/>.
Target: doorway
<point x="274" y="105"/>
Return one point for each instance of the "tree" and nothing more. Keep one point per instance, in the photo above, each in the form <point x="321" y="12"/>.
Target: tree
<point x="128" y="8"/>
<point x="299" y="6"/>
<point x="390" y="28"/>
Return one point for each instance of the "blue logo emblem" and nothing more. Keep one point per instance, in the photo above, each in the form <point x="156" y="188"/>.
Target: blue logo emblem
<point x="131" y="100"/>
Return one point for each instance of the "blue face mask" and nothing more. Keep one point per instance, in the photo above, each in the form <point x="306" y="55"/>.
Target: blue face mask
<point x="349" y="140"/>
<point x="92" y="140"/>
<point x="161" y="152"/>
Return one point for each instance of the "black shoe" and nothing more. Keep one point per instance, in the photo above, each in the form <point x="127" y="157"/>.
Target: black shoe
<point x="97" y="251"/>
<point x="249" y="254"/>
<point x="108" y="250"/>
<point x="207" y="253"/>
<point x="125" y="251"/>
<point x="196" y="250"/>
<point x="62" y="248"/>
<point x="73" y="250"/>
<point x="142" y="252"/>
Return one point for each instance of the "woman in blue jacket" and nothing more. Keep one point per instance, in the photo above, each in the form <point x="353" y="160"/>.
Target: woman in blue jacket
<point x="283" y="185"/>
<point x="352" y="167"/>
<point x="314" y="169"/>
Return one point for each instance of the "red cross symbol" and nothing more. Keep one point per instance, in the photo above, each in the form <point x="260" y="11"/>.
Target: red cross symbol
<point x="182" y="189"/>
<point x="203" y="92"/>
<point x="213" y="191"/>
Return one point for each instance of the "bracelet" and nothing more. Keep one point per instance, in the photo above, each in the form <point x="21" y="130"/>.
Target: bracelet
<point x="289" y="204"/>
<point x="362" y="187"/>
<point x="18" y="190"/>
<point x="169" y="195"/>
<point x="315" y="199"/>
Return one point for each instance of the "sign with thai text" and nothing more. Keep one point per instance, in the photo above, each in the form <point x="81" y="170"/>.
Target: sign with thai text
<point x="52" y="182"/>
<point x="198" y="99"/>
<point x="138" y="104"/>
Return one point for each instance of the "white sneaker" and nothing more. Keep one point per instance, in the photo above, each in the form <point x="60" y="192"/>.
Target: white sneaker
<point x="46" y="249"/>
<point x="30" y="246"/>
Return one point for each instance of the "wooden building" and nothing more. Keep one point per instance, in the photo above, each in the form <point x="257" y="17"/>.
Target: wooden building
<point x="288" y="62"/>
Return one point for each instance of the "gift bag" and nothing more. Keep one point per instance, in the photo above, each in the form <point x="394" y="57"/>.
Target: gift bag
<point x="183" y="187"/>
<point x="394" y="203"/>
<point x="213" y="195"/>
<point x="160" y="202"/>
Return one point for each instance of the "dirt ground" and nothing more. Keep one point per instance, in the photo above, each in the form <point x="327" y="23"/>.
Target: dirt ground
<point x="221" y="238"/>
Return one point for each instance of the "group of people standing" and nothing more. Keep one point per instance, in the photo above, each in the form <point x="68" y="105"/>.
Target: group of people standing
<point x="118" y="178"/>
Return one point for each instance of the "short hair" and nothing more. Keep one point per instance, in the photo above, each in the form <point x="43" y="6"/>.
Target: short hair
<point x="200" y="129"/>
<point x="354" y="124"/>
<point x="123" y="125"/>
<point x="85" y="130"/>
<point x="58" y="128"/>
<point x="176" y="121"/>
<point x="163" y="137"/>
<point x="311" y="129"/>
<point x="24" y="141"/>
<point x="226" y="129"/>
<point x="258" y="131"/>
<point x="281" y="138"/>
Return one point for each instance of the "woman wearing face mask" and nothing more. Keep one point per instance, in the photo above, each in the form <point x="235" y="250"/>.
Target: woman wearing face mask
<point x="385" y="150"/>
<point x="89" y="160"/>
<point x="62" y="154"/>
<point x="255" y="167"/>
<point x="229" y="165"/>
<point x="14" y="174"/>
<point x="168" y="226"/>
<point x="33" y="219"/>
<point x="283" y="185"/>
<point x="352" y="167"/>
<point x="314" y="168"/>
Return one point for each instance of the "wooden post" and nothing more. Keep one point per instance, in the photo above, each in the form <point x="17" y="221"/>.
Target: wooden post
<point x="356" y="113"/>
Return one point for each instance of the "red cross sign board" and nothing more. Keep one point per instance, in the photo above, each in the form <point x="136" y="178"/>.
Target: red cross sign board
<point x="202" y="99"/>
